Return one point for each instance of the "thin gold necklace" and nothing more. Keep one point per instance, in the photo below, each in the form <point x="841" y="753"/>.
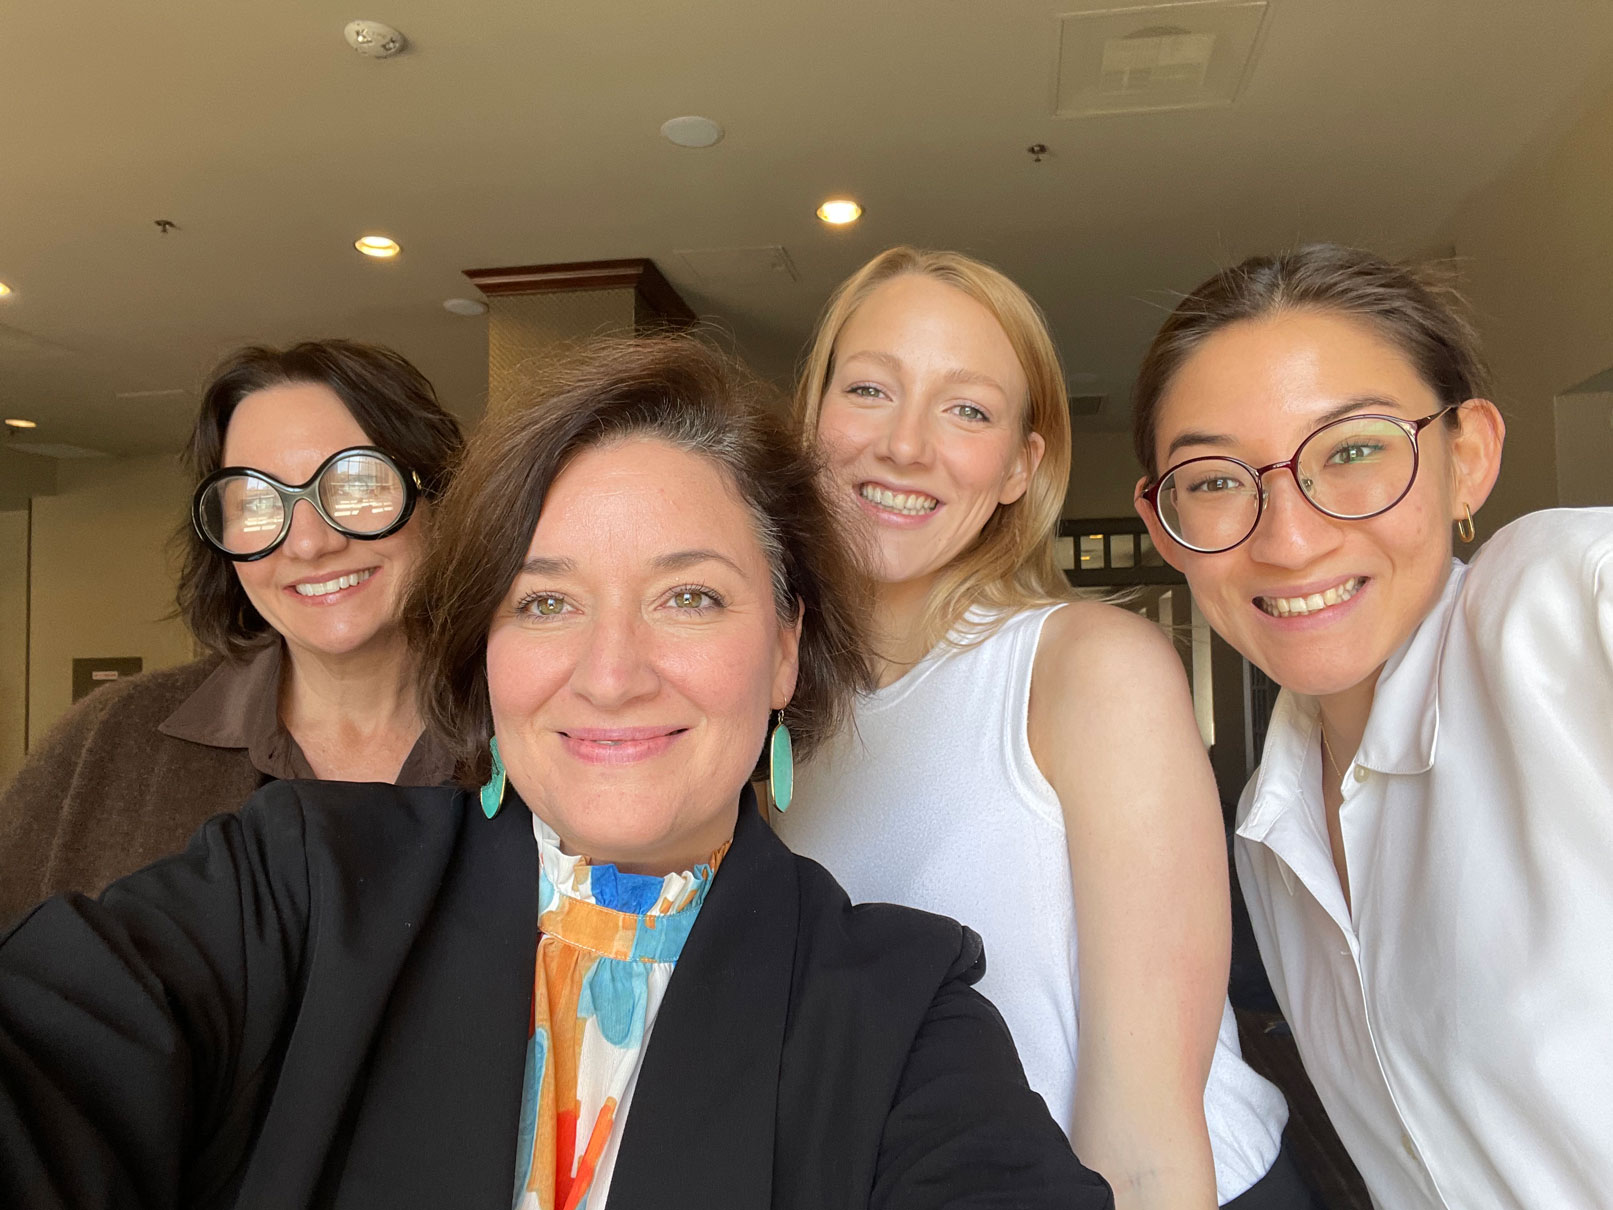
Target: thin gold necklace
<point x="1327" y="751"/>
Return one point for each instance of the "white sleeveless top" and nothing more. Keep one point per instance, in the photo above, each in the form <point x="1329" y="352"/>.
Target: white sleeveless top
<point x="934" y="801"/>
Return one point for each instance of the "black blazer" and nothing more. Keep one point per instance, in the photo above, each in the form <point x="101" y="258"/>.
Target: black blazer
<point x="324" y="1001"/>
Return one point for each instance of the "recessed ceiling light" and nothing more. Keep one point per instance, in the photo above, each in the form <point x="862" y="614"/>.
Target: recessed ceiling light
<point x="691" y="132"/>
<point x="839" y="211"/>
<point x="464" y="306"/>
<point x="378" y="246"/>
<point x="4" y="289"/>
<point x="15" y="423"/>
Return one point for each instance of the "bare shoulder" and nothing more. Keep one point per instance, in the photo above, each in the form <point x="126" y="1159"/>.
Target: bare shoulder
<point x="1088" y="646"/>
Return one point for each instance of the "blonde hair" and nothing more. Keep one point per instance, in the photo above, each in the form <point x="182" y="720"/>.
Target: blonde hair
<point x="1011" y="564"/>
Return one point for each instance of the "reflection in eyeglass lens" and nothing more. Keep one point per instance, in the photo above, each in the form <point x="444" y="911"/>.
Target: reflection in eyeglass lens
<point x="359" y="494"/>
<point x="364" y="494"/>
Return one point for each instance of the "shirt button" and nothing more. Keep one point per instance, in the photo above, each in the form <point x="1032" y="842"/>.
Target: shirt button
<point x="1406" y="1145"/>
<point x="1361" y="774"/>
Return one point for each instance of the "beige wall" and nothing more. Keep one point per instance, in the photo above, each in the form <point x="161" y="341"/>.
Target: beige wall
<point x="1585" y="449"/>
<point x="1103" y="474"/>
<point x="102" y="580"/>
<point x="1536" y="250"/>
<point x="13" y="639"/>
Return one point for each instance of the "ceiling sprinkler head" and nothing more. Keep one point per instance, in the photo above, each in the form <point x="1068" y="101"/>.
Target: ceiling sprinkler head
<point x="374" y="40"/>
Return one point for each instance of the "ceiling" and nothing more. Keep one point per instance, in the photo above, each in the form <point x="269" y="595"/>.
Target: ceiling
<point x="525" y="131"/>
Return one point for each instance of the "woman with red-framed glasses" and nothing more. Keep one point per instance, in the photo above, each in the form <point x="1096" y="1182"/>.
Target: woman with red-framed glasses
<point x="1425" y="847"/>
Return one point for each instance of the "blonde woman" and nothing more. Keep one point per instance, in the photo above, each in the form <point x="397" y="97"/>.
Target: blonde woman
<point x="1028" y="763"/>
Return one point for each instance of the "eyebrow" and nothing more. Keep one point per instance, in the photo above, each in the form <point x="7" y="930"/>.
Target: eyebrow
<point x="677" y="560"/>
<point x="543" y="565"/>
<point x="958" y="374"/>
<point x="1355" y="403"/>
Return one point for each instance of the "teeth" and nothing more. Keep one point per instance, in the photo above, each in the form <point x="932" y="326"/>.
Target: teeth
<point x="912" y="504"/>
<point x="1289" y="607"/>
<point x="336" y="585"/>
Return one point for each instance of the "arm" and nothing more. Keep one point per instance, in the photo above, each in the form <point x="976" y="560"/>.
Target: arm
<point x="125" y="1022"/>
<point x="31" y="805"/>
<point x="965" y="1130"/>
<point x="1112" y="728"/>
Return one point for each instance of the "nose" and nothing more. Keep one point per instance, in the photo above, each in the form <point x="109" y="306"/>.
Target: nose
<point x="616" y="665"/>
<point x="907" y="439"/>
<point x="1291" y="532"/>
<point x="309" y="537"/>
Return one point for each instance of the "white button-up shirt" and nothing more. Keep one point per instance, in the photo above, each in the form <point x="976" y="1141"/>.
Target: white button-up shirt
<point x="1459" y="1023"/>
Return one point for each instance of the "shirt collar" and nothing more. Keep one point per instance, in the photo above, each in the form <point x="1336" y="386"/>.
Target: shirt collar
<point x="1403" y="728"/>
<point x="1279" y="788"/>
<point x="1401" y="733"/>
<point x="238" y="706"/>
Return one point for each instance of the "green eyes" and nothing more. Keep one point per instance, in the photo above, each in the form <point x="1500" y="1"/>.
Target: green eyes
<point x="691" y="600"/>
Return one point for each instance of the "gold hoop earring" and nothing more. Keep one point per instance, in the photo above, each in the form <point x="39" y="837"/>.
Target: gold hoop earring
<point x="1464" y="527"/>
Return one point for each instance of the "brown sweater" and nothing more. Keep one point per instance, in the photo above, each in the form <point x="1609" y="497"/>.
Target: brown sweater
<point x="133" y="769"/>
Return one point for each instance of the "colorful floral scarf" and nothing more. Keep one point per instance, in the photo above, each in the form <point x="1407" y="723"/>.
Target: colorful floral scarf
<point x="607" y="944"/>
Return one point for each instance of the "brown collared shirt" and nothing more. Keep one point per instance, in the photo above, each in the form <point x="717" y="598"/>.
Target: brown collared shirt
<point x="132" y="770"/>
<point x="237" y="706"/>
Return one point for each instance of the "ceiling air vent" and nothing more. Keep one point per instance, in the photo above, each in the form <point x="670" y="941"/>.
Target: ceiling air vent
<point x="1166" y="56"/>
<point x="1086" y="405"/>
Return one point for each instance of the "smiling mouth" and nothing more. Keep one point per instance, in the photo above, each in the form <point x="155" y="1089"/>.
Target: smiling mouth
<point x="636" y="735"/>
<point x="909" y="504"/>
<point x="1294" y="607"/>
<point x="326" y="587"/>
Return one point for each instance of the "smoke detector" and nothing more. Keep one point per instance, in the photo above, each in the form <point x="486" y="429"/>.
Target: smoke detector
<point x="374" y="39"/>
<point x="691" y="131"/>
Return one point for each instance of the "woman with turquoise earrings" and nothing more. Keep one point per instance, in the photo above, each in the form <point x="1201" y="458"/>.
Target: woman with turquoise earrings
<point x="587" y="972"/>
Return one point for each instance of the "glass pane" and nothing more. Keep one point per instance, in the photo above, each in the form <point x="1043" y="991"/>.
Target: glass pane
<point x="1064" y="553"/>
<point x="1122" y="550"/>
<point x="1092" y="552"/>
<point x="1147" y="555"/>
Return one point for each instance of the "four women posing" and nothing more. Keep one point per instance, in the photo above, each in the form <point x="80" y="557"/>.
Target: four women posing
<point x="1423" y="850"/>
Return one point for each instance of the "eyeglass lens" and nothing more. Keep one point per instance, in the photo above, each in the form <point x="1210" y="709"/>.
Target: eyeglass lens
<point x="359" y="494"/>
<point x="1353" y="468"/>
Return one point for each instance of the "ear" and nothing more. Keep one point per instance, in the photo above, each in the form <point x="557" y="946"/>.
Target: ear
<point x="1169" y="549"/>
<point x="1475" y="455"/>
<point x="787" y="665"/>
<point x="1025" y="464"/>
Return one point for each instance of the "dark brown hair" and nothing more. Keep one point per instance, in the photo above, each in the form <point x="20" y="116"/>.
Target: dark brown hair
<point x="1413" y="307"/>
<point x="674" y="388"/>
<point x="392" y="402"/>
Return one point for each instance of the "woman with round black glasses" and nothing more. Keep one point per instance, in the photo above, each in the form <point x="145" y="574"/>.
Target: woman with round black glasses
<point x="1427" y="847"/>
<point x="315" y="466"/>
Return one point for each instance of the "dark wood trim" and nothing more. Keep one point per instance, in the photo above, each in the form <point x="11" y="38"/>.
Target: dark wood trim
<point x="1071" y="527"/>
<point x="655" y="301"/>
<point x="1124" y="577"/>
<point x="1114" y="577"/>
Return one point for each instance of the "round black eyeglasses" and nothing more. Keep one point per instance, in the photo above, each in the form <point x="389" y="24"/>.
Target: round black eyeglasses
<point x="245" y="514"/>
<point x="1349" y="469"/>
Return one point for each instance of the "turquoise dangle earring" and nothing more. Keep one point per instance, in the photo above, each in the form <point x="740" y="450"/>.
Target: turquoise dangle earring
<point x="493" y="791"/>
<point x="780" y="766"/>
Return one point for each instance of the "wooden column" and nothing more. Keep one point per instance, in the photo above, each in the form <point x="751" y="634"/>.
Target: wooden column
<point x="535" y="310"/>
